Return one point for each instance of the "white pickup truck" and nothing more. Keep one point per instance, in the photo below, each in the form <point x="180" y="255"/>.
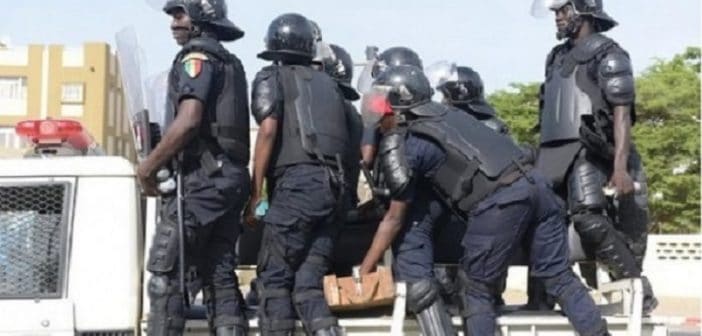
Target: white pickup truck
<point x="74" y="228"/>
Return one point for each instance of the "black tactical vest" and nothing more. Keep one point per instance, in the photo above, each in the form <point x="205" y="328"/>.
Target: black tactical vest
<point x="314" y="127"/>
<point x="478" y="159"/>
<point x="571" y="92"/>
<point x="225" y="127"/>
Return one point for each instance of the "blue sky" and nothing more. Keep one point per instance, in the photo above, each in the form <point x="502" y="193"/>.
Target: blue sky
<point x="498" y="37"/>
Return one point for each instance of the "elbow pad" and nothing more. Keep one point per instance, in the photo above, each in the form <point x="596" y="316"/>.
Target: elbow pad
<point x="266" y="95"/>
<point x="617" y="79"/>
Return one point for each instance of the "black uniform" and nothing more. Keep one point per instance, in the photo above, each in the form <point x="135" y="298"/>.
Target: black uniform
<point x="452" y="159"/>
<point x="216" y="187"/>
<point x="305" y="176"/>
<point x="583" y="82"/>
<point x="465" y="90"/>
<point x="306" y="185"/>
<point x="436" y="157"/>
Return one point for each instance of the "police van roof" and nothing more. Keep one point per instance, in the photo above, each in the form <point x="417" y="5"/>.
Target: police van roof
<point x="80" y="166"/>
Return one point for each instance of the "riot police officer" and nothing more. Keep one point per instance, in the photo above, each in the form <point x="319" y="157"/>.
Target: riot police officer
<point x="465" y="92"/>
<point x="587" y="110"/>
<point x="339" y="66"/>
<point x="435" y="158"/>
<point x="463" y="88"/>
<point x="207" y="133"/>
<point x="390" y="57"/>
<point x="301" y="150"/>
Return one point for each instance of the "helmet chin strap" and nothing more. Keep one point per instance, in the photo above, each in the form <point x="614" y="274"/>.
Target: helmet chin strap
<point x="195" y="31"/>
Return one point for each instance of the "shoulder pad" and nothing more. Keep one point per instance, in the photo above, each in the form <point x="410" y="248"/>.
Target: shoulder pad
<point x="430" y="109"/>
<point x="266" y="72"/>
<point x="616" y="63"/>
<point x="393" y="162"/>
<point x="206" y="45"/>
<point x="265" y="94"/>
<point x="592" y="46"/>
<point x="195" y="56"/>
<point x="616" y="78"/>
<point x="552" y="55"/>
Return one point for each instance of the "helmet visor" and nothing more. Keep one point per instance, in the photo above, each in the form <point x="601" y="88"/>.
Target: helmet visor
<point x="441" y="72"/>
<point x="543" y="8"/>
<point x="375" y="105"/>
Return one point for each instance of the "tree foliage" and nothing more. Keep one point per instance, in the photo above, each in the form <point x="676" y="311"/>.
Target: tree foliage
<point x="667" y="134"/>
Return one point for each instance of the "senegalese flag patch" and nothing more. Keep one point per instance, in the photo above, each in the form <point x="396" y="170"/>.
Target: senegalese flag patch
<point x="192" y="64"/>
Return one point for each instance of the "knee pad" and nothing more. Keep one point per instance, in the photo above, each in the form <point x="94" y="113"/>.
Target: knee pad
<point x="592" y="228"/>
<point x="421" y="295"/>
<point x="166" y="315"/>
<point x="161" y="286"/>
<point x="424" y="301"/>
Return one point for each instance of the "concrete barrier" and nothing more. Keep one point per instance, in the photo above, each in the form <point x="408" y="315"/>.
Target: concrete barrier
<point x="673" y="264"/>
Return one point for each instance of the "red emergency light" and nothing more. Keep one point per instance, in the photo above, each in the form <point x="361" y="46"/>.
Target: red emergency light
<point x="54" y="132"/>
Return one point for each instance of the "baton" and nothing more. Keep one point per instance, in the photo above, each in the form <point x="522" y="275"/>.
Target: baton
<point x="181" y="233"/>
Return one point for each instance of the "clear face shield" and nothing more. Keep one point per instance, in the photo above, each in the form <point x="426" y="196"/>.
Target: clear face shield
<point x="439" y="74"/>
<point x="545" y="8"/>
<point x="156" y="94"/>
<point x="322" y="51"/>
<point x="375" y="105"/>
<point x="366" y="77"/>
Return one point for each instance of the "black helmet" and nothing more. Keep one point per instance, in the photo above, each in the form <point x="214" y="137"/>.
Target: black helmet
<point x="466" y="89"/>
<point x="595" y="8"/>
<point x="290" y="38"/>
<point x="581" y="9"/>
<point x="316" y="30"/>
<point x="408" y="86"/>
<point x="208" y="12"/>
<point x="340" y="67"/>
<point x="396" y="56"/>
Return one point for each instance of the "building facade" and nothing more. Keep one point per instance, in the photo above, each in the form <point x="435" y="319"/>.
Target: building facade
<point x="59" y="82"/>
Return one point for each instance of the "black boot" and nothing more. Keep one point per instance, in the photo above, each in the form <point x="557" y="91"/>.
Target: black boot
<point x="649" y="302"/>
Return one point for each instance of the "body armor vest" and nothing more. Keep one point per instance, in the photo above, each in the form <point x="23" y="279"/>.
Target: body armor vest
<point x="315" y="127"/>
<point x="225" y="125"/>
<point x="571" y="93"/>
<point x="477" y="158"/>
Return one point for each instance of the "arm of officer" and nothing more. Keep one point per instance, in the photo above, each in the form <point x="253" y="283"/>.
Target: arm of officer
<point x="617" y="82"/>
<point x="265" y="140"/>
<point x="266" y="107"/>
<point x="196" y="74"/>
<point x="384" y="236"/>
<point x="368" y="142"/>
<point x="403" y="161"/>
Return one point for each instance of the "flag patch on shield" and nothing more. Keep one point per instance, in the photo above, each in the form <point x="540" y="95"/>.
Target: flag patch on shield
<point x="192" y="64"/>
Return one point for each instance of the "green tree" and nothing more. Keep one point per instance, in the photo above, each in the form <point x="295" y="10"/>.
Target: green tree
<point x="518" y="106"/>
<point x="667" y="135"/>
